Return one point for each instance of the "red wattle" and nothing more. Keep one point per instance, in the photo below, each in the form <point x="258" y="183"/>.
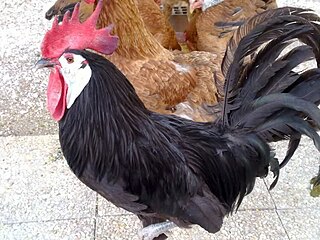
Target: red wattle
<point x="56" y="94"/>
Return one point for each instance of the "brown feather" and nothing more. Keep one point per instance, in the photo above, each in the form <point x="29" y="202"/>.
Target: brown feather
<point x="158" y="24"/>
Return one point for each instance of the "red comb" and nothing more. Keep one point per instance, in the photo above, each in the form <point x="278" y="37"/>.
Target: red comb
<point x="72" y="34"/>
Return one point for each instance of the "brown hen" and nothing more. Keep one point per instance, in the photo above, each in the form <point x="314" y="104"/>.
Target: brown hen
<point x="211" y="29"/>
<point x="166" y="83"/>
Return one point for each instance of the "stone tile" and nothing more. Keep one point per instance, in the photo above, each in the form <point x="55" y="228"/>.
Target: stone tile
<point x="52" y="230"/>
<point x="263" y="224"/>
<point x="249" y="225"/>
<point x="23" y="90"/>
<point x="301" y="223"/>
<point x="123" y="227"/>
<point x="36" y="183"/>
<point x="293" y="188"/>
<point x="259" y="198"/>
<point x="312" y="4"/>
<point x="106" y="208"/>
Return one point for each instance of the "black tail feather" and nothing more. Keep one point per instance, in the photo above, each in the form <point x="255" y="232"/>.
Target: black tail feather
<point x="292" y="147"/>
<point x="263" y="92"/>
<point x="275" y="33"/>
<point x="285" y="76"/>
<point x="283" y="127"/>
<point x="307" y="86"/>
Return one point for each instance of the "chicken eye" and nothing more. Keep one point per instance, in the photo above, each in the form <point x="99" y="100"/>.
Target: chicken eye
<point x="70" y="59"/>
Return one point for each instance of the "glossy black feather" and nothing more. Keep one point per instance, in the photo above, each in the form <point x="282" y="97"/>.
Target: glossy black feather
<point x="285" y="24"/>
<point x="146" y="163"/>
<point x="292" y="147"/>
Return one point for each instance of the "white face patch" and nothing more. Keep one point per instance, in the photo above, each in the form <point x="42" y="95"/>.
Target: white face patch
<point x="76" y="73"/>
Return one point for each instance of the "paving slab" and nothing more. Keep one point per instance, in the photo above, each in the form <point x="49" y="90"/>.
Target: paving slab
<point x="259" y="198"/>
<point x="311" y="4"/>
<point x="293" y="188"/>
<point x="23" y="90"/>
<point x="119" y="227"/>
<point x="301" y="223"/>
<point x="75" y="229"/>
<point x="260" y="224"/>
<point x="105" y="208"/>
<point x="36" y="183"/>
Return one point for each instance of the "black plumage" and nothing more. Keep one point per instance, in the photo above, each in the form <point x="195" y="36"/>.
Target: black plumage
<point x="167" y="168"/>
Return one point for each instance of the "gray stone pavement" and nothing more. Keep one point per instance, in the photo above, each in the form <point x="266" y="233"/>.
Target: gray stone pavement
<point x="41" y="199"/>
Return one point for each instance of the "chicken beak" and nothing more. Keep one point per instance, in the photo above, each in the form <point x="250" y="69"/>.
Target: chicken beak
<point x="191" y="7"/>
<point x="45" y="63"/>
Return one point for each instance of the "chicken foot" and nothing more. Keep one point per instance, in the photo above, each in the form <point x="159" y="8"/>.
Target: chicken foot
<point x="152" y="231"/>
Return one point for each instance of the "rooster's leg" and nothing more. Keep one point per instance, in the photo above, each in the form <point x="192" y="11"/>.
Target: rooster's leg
<point x="154" y="230"/>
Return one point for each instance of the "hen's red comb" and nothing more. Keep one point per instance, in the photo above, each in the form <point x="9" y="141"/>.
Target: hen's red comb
<point x="72" y="34"/>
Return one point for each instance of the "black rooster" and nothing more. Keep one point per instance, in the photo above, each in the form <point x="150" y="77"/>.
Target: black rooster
<point x="168" y="170"/>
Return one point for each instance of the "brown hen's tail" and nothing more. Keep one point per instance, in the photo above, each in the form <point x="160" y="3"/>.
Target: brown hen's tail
<point x="263" y="93"/>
